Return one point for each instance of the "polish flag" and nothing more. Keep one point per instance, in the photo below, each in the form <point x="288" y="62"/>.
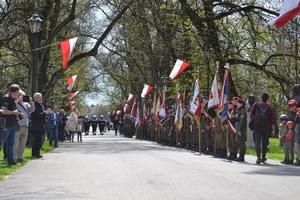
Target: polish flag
<point x="126" y="107"/>
<point x="130" y="98"/>
<point x="73" y="95"/>
<point x="179" y="67"/>
<point x="147" y="89"/>
<point x="195" y="103"/>
<point x="72" y="102"/>
<point x="289" y="10"/>
<point x="72" y="108"/>
<point x="67" y="48"/>
<point x="71" y="81"/>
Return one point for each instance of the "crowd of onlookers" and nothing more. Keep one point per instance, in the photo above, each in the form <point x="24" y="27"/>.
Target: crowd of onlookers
<point x="25" y="122"/>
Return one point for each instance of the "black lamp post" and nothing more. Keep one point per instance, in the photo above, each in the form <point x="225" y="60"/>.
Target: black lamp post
<point x="35" y="23"/>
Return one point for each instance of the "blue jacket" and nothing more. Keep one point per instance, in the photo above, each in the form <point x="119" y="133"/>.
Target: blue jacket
<point x="53" y="119"/>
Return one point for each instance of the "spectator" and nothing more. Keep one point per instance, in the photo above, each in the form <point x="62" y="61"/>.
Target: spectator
<point x="79" y="128"/>
<point x="22" y="133"/>
<point x="71" y="125"/>
<point x="297" y="137"/>
<point x="38" y="121"/>
<point x="62" y="125"/>
<point x="116" y="122"/>
<point x="52" y="124"/>
<point x="263" y="118"/>
<point x="10" y="114"/>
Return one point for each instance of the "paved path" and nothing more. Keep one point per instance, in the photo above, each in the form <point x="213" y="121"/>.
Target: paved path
<point x="112" y="167"/>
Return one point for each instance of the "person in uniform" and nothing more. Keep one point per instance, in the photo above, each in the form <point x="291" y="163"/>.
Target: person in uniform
<point x="86" y="125"/>
<point x="232" y="142"/>
<point x="241" y="128"/>
<point x="102" y="123"/>
<point x="94" y="123"/>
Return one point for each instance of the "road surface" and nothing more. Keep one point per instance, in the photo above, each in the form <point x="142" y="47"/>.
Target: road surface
<point x="111" y="167"/>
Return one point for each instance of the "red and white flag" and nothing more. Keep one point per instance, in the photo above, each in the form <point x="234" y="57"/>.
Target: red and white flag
<point x="126" y="107"/>
<point x="67" y="48"/>
<point x="214" y="98"/>
<point x="131" y="97"/>
<point x="71" y="81"/>
<point x="232" y="128"/>
<point x="72" y="102"/>
<point x="146" y="91"/>
<point x="73" y="95"/>
<point x="179" y="67"/>
<point x="195" y="103"/>
<point x="289" y="10"/>
<point x="134" y="110"/>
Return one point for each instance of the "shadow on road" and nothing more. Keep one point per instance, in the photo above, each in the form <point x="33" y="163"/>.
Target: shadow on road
<point x="276" y="171"/>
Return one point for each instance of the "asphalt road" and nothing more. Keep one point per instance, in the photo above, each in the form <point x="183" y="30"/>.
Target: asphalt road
<point x="112" y="167"/>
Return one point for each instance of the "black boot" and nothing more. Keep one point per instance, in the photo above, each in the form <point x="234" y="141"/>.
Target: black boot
<point x="232" y="156"/>
<point x="241" y="158"/>
<point x="222" y="153"/>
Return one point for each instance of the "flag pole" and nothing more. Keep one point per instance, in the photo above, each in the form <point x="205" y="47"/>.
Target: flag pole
<point x="200" y="130"/>
<point x="49" y="45"/>
<point x="227" y="139"/>
<point x="215" y="128"/>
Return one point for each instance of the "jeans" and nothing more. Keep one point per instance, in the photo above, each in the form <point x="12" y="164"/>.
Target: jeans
<point x="53" y="136"/>
<point x="9" y="139"/>
<point x="72" y="133"/>
<point x="38" y="138"/>
<point x="261" y="142"/>
<point x="79" y="136"/>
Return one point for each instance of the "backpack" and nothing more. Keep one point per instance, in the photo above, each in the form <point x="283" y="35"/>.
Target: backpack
<point x="261" y="118"/>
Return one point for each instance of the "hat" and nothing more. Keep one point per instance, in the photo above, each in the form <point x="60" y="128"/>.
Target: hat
<point x="283" y="117"/>
<point x="290" y="122"/>
<point x="292" y="102"/>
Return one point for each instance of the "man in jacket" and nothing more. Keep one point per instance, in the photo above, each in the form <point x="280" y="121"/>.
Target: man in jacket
<point x="22" y="133"/>
<point x="38" y="120"/>
<point x="52" y="127"/>
<point x="11" y="114"/>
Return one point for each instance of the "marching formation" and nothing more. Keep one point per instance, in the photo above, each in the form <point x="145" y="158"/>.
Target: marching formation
<point x="214" y="125"/>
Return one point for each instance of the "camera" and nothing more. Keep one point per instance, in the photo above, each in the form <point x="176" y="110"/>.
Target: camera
<point x="20" y="116"/>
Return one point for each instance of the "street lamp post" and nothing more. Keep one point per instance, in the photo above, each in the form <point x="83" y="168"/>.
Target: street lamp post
<point x="35" y="27"/>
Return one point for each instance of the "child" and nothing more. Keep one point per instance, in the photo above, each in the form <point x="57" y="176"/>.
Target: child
<point x="288" y="144"/>
<point x="297" y="137"/>
<point x="282" y="129"/>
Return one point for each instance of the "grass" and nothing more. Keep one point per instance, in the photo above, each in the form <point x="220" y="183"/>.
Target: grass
<point x="6" y="170"/>
<point x="275" y="152"/>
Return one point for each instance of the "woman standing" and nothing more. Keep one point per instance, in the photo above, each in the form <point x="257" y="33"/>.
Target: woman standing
<point x="71" y="125"/>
